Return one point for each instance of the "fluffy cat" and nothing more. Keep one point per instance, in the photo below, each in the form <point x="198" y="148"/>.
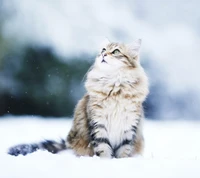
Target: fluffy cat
<point x="108" y="119"/>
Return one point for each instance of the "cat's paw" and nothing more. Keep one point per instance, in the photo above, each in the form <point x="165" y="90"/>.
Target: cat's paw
<point x="124" y="151"/>
<point x="103" y="154"/>
<point x="22" y="149"/>
<point x="103" y="151"/>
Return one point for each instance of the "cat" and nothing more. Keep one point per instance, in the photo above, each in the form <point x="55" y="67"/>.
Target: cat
<point x="108" y="119"/>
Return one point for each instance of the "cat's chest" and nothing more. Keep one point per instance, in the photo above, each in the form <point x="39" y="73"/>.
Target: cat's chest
<point x="119" y="115"/>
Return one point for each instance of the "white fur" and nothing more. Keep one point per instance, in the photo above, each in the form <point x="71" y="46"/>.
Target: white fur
<point x="118" y="115"/>
<point x="117" y="120"/>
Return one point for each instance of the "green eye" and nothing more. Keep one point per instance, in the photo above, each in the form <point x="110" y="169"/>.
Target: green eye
<point x="103" y="50"/>
<point x="116" y="51"/>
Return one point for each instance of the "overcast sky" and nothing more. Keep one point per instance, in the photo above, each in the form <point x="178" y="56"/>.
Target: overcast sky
<point x="169" y="30"/>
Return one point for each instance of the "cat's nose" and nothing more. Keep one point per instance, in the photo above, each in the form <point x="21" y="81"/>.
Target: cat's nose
<point x="105" y="54"/>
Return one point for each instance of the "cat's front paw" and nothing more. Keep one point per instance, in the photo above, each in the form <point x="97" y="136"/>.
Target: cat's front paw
<point x="22" y="149"/>
<point x="103" y="151"/>
<point x="124" y="152"/>
<point x="103" y="154"/>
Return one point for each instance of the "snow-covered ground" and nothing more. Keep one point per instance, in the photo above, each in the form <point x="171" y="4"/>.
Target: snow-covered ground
<point x="172" y="150"/>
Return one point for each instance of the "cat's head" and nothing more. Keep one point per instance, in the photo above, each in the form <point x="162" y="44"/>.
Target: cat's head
<point x="117" y="55"/>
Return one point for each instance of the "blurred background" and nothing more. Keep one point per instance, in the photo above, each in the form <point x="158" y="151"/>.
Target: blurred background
<point x="46" y="47"/>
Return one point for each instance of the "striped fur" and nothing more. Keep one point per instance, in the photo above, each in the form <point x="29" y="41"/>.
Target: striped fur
<point x="108" y="119"/>
<point x="49" y="145"/>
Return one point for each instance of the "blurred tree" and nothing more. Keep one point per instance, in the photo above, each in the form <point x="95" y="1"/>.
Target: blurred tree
<point x="45" y="85"/>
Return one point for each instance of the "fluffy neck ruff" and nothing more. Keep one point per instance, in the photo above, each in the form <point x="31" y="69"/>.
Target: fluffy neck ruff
<point x="125" y="82"/>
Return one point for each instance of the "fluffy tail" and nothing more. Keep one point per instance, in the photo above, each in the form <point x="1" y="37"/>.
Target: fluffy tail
<point x="49" y="145"/>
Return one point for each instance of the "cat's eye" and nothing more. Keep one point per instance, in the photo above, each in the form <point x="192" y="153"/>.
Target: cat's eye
<point x="116" y="51"/>
<point x="103" y="50"/>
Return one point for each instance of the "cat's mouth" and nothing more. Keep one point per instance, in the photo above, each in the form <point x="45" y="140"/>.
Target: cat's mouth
<point x="103" y="61"/>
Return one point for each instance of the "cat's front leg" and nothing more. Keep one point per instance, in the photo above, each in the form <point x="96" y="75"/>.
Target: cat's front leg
<point x="99" y="140"/>
<point x="126" y="147"/>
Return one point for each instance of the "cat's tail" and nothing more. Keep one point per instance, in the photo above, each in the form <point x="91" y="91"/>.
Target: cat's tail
<point x="49" y="145"/>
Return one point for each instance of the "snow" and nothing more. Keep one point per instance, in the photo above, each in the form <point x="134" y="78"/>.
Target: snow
<point x="172" y="150"/>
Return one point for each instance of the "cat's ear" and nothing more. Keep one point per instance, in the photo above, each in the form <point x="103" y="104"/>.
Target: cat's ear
<point x="104" y="43"/>
<point x="135" y="46"/>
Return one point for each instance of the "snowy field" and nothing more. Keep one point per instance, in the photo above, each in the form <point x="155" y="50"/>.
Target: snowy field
<point x="172" y="150"/>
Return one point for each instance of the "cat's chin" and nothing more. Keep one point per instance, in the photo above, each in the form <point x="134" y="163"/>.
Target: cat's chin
<point x="106" y="68"/>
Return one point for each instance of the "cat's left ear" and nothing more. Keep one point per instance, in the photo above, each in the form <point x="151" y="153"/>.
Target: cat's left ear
<point x="104" y="43"/>
<point x="135" y="46"/>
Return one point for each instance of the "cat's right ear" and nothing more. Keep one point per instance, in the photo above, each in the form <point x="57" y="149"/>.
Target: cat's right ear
<point x="104" y="43"/>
